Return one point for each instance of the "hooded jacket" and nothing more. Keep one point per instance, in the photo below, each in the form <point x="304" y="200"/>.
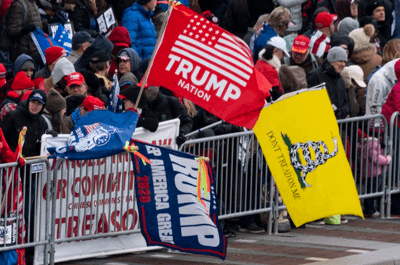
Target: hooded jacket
<point x="379" y="87"/>
<point x="334" y="85"/>
<point x="84" y="18"/>
<point x="141" y="29"/>
<point x="20" y="61"/>
<point x="16" y="120"/>
<point x="134" y="58"/>
<point x="168" y="108"/>
<point x="392" y="103"/>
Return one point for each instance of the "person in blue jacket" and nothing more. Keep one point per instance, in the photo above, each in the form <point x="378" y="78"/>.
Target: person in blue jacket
<point x="137" y="19"/>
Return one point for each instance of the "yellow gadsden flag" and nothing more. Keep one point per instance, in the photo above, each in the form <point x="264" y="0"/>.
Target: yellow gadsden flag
<point x="300" y="140"/>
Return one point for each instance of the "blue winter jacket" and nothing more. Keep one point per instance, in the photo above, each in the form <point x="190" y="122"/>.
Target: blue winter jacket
<point x="260" y="39"/>
<point x="141" y="29"/>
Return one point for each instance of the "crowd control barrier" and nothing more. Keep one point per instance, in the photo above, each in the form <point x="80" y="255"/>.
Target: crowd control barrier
<point x="80" y="209"/>
<point x="20" y="217"/>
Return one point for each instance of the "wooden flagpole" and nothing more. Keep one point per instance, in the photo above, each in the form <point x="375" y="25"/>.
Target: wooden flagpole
<point x="146" y="75"/>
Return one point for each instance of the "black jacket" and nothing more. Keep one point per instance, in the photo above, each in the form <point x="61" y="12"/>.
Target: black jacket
<point x="168" y="108"/>
<point x="334" y="85"/>
<point x="14" y="122"/>
<point x="82" y="17"/>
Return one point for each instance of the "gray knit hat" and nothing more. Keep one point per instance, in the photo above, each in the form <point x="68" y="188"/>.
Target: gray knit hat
<point x="336" y="54"/>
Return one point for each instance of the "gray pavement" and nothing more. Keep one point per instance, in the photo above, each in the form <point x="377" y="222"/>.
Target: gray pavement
<point x="373" y="241"/>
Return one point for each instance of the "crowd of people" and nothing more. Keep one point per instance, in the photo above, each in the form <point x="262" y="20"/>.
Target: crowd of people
<point x="350" y="45"/>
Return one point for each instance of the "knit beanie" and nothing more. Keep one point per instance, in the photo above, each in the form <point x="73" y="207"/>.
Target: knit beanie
<point x="336" y="54"/>
<point x="22" y="81"/>
<point x="62" y="68"/>
<point x="120" y="37"/>
<point x="28" y="64"/>
<point x="372" y="6"/>
<point x="362" y="37"/>
<point x="55" y="102"/>
<point x="142" y="2"/>
<point x="53" y="53"/>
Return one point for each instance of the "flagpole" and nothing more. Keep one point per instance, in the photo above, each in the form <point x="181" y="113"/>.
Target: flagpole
<point x="164" y="25"/>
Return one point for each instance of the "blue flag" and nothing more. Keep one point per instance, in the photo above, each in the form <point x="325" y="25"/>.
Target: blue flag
<point x="170" y="210"/>
<point x="114" y="102"/>
<point x="63" y="38"/>
<point x="98" y="134"/>
<point x="42" y="42"/>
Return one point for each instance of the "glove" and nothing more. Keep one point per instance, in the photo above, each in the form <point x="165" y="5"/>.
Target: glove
<point x="180" y="139"/>
<point x="389" y="159"/>
<point x="275" y="94"/>
<point x="27" y="29"/>
<point x="21" y="162"/>
<point x="52" y="132"/>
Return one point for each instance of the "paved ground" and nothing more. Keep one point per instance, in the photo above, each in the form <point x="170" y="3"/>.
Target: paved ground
<point x="301" y="246"/>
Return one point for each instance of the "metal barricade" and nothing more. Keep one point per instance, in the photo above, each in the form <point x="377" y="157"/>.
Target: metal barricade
<point x="362" y="154"/>
<point x="93" y="199"/>
<point x="393" y="185"/>
<point x="19" y="219"/>
<point x="244" y="184"/>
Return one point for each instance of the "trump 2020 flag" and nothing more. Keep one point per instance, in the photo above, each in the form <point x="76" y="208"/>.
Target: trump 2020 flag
<point x="98" y="134"/>
<point x="177" y="204"/>
<point x="300" y="140"/>
<point x="63" y="38"/>
<point x="42" y="42"/>
<point x="209" y="66"/>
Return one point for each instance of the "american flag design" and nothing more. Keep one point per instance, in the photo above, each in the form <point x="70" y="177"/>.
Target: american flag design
<point x="90" y="128"/>
<point x="209" y="66"/>
<point x="203" y="42"/>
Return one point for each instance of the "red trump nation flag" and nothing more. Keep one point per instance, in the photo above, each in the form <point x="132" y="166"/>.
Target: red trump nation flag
<point x="214" y="69"/>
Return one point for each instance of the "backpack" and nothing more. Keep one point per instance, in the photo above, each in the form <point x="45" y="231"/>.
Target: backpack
<point x="7" y="43"/>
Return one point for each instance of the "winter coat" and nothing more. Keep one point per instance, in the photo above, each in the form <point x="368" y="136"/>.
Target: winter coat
<point x="259" y="40"/>
<point x="270" y="73"/>
<point x="6" y="154"/>
<point x="372" y="156"/>
<point x="84" y="19"/>
<point x="14" y="21"/>
<point x="334" y="85"/>
<point x="392" y="103"/>
<point x="44" y="72"/>
<point x="141" y="29"/>
<point x="379" y="87"/>
<point x="147" y="119"/>
<point x="237" y="18"/>
<point x="167" y="108"/>
<point x="295" y="10"/>
<point x="36" y="127"/>
<point x="20" y="61"/>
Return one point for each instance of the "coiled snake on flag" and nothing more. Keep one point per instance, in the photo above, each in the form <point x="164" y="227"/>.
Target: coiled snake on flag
<point x="320" y="157"/>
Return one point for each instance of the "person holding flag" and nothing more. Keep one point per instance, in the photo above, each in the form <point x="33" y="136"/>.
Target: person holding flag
<point x="147" y="118"/>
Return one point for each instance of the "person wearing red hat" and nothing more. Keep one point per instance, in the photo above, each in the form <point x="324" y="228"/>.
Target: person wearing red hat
<point x="52" y="55"/>
<point x="320" y="40"/>
<point x="19" y="86"/>
<point x="76" y="84"/>
<point x="300" y="55"/>
<point x="3" y="81"/>
<point x="77" y="91"/>
<point x="89" y="104"/>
